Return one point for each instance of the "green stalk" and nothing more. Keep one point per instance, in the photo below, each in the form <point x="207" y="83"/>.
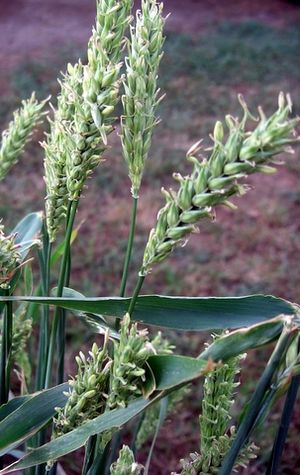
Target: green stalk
<point x="136" y="293"/>
<point x="5" y="350"/>
<point x="91" y="455"/>
<point x="61" y="282"/>
<point x="44" y="324"/>
<point x="275" y="459"/>
<point x="129" y="246"/>
<point x="257" y="399"/>
<point x="45" y="260"/>
<point x="97" y="456"/>
<point x="62" y="323"/>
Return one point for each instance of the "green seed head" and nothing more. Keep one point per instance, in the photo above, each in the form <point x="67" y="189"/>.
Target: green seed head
<point x="216" y="178"/>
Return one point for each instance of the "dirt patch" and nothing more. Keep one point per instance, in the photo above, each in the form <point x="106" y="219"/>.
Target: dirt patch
<point x="29" y="27"/>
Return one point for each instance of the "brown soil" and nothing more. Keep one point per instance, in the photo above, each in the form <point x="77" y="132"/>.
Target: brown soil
<point x="28" y="27"/>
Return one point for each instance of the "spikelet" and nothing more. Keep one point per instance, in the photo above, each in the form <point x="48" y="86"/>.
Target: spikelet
<point x="88" y="393"/>
<point x="130" y="355"/>
<point x="94" y="107"/>
<point x="128" y="372"/>
<point x="10" y="257"/>
<point x="141" y="95"/>
<point x="126" y="464"/>
<point x="82" y="120"/>
<point x="214" y="180"/>
<point x="19" y="132"/>
<point x="56" y="150"/>
<point x="215" y="434"/>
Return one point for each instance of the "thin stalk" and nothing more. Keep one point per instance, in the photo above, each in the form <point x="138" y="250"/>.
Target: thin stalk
<point x="5" y="350"/>
<point x="262" y="388"/>
<point x="62" y="325"/>
<point x="45" y="258"/>
<point x="90" y="452"/>
<point x="45" y="264"/>
<point x="275" y="459"/>
<point x="129" y="246"/>
<point x="136" y="293"/>
<point x="98" y="458"/>
<point x="61" y="282"/>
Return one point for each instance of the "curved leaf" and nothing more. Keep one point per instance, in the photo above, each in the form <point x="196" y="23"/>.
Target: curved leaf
<point x="239" y="341"/>
<point x="173" y="370"/>
<point x="30" y="417"/>
<point x="182" y="313"/>
<point x="78" y="437"/>
<point x="12" y="405"/>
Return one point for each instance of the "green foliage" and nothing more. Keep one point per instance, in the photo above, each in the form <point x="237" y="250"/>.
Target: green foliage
<point x="132" y="372"/>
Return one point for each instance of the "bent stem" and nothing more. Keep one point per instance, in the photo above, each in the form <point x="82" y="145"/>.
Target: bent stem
<point x="61" y="283"/>
<point x="260" y="393"/>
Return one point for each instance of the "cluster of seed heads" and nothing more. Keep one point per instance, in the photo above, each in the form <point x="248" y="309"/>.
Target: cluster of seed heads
<point x="126" y="464"/>
<point x="10" y="256"/>
<point x="100" y="94"/>
<point x="83" y="118"/>
<point x="198" y="465"/>
<point x="130" y="355"/>
<point x="19" y="132"/>
<point x="215" y="434"/>
<point x="88" y="390"/>
<point x="56" y="150"/>
<point x="140" y="84"/>
<point x="103" y="382"/>
<point x="215" y="179"/>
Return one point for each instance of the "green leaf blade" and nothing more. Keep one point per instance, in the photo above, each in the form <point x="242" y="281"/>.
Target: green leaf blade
<point x="181" y="313"/>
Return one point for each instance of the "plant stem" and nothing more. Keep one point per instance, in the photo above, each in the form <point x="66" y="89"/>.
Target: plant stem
<point x="5" y="350"/>
<point x="274" y="462"/>
<point x="61" y="282"/>
<point x="250" y="416"/>
<point x="93" y="441"/>
<point x="129" y="246"/>
<point x="133" y="301"/>
<point x="45" y="264"/>
<point x="136" y="294"/>
<point x="44" y="325"/>
<point x="62" y="321"/>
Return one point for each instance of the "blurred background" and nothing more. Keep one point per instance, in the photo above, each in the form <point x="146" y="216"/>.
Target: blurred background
<point x="213" y="51"/>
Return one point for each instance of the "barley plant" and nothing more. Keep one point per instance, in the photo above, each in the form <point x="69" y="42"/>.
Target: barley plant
<point x="132" y="379"/>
